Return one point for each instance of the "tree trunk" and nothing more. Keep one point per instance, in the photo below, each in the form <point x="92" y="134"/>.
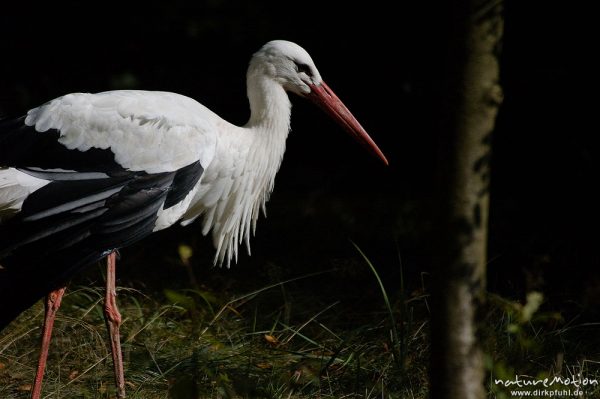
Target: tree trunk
<point x="471" y="101"/>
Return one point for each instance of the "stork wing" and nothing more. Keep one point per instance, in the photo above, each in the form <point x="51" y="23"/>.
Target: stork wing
<point x="114" y="157"/>
<point x="89" y="173"/>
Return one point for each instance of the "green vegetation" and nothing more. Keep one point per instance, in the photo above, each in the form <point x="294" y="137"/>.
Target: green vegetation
<point x="537" y="344"/>
<point x="283" y="340"/>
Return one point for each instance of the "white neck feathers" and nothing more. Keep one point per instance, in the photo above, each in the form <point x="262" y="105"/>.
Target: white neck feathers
<point x="233" y="218"/>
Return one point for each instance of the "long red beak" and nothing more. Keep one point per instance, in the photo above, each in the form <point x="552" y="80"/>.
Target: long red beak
<point x="326" y="99"/>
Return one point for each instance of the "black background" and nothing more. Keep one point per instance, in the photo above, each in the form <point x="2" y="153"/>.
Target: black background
<point x="386" y="62"/>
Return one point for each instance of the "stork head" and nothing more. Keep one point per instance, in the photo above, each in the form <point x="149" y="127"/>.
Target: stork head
<point x="288" y="64"/>
<point x="292" y="67"/>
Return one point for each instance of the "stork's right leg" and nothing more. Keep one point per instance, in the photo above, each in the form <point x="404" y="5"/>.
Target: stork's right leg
<point x="113" y="321"/>
<point x="53" y="300"/>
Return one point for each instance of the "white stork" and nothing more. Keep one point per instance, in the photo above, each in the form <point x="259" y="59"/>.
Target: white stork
<point x="86" y="174"/>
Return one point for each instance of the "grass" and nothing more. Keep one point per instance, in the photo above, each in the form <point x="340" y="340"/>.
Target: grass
<point x="282" y="340"/>
<point x="274" y="342"/>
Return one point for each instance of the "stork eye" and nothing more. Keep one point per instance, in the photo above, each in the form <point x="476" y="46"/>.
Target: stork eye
<point x="303" y="68"/>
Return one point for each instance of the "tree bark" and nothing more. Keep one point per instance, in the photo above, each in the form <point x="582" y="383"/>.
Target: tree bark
<point x="471" y="101"/>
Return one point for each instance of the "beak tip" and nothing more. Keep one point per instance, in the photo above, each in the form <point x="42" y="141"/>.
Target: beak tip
<point x="384" y="160"/>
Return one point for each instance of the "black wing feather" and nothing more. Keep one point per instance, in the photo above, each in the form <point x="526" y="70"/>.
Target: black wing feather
<point x="69" y="195"/>
<point x="184" y="181"/>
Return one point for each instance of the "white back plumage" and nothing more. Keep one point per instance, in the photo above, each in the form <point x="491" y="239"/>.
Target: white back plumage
<point x="150" y="131"/>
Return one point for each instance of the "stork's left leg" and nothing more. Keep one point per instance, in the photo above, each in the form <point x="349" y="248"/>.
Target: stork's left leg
<point x="113" y="321"/>
<point x="53" y="300"/>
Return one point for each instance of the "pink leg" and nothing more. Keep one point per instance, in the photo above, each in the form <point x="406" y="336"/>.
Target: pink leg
<point x="113" y="321"/>
<point x="53" y="300"/>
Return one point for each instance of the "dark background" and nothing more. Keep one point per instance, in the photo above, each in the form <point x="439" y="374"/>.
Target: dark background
<point x="386" y="64"/>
